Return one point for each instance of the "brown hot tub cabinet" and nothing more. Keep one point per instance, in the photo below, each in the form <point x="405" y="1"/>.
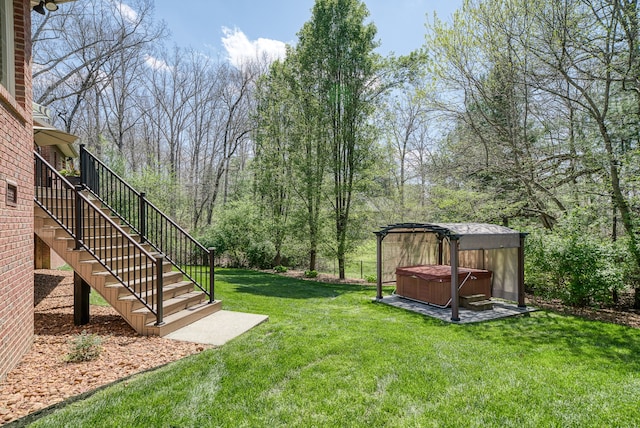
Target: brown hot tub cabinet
<point x="432" y="283"/>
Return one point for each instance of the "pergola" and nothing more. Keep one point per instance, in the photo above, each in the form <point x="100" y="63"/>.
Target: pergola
<point x="472" y="245"/>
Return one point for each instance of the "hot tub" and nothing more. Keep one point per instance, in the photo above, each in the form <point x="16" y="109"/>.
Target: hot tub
<point x="432" y="283"/>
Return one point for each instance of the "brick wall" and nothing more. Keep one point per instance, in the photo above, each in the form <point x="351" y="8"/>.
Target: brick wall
<point x="16" y="220"/>
<point x="51" y="155"/>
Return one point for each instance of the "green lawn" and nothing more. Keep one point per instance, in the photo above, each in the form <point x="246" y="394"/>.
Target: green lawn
<point x="329" y="357"/>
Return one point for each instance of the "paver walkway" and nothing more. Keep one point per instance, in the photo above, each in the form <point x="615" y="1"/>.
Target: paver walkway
<point x="501" y="309"/>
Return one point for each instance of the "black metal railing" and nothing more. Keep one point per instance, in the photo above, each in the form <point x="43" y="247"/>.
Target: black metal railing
<point x="92" y="229"/>
<point x="185" y="253"/>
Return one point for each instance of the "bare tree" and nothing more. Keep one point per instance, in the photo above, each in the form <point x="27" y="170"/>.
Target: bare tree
<point x="72" y="50"/>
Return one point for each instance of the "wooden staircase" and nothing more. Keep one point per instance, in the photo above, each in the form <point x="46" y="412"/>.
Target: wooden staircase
<point x="182" y="303"/>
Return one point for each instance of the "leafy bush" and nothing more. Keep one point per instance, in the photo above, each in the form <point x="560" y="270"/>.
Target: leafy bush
<point x="574" y="265"/>
<point x="310" y="273"/>
<point x="280" y="269"/>
<point x="239" y="237"/>
<point x="261" y="254"/>
<point x="85" y="347"/>
<point x="371" y="278"/>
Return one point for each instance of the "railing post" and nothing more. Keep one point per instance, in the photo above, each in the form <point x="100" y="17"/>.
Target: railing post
<point x="83" y="165"/>
<point x="212" y="253"/>
<point x="159" y="293"/>
<point x="78" y="213"/>
<point x="143" y="217"/>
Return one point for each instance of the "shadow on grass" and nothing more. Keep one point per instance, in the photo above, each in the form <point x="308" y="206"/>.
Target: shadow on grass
<point x="595" y="341"/>
<point x="271" y="285"/>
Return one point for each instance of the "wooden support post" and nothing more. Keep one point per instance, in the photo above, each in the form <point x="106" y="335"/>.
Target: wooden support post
<point x="42" y="253"/>
<point x="81" y="292"/>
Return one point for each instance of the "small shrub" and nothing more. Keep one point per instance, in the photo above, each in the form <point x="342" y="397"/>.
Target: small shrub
<point x="371" y="278"/>
<point x="280" y="269"/>
<point x="310" y="273"/>
<point x="85" y="347"/>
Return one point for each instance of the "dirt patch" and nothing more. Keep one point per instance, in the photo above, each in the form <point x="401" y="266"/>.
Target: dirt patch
<point x="43" y="377"/>
<point x="322" y="277"/>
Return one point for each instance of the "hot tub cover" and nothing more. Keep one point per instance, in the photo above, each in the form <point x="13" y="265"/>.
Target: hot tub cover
<point x="440" y="273"/>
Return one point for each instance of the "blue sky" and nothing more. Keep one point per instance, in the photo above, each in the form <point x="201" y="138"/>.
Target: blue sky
<point x="201" y="25"/>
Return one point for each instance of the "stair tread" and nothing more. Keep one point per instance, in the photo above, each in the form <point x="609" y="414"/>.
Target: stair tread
<point x="480" y="302"/>
<point x="186" y="312"/>
<point x="181" y="299"/>
<point x="167" y="289"/>
<point x="123" y="247"/>
<point x="473" y="296"/>
<point x="130" y="269"/>
<point x="118" y="259"/>
<point x="166" y="276"/>
<point x="481" y="305"/>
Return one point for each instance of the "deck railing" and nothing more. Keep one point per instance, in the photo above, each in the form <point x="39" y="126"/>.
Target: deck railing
<point x="93" y="230"/>
<point x="187" y="255"/>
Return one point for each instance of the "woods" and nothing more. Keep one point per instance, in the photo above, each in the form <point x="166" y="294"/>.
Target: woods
<point x="520" y="113"/>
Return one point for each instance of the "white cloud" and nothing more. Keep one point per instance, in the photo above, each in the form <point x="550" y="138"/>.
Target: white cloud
<point x="240" y="49"/>
<point x="156" y="63"/>
<point x="127" y="12"/>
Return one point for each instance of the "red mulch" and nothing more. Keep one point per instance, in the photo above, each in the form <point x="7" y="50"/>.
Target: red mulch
<point x="43" y="377"/>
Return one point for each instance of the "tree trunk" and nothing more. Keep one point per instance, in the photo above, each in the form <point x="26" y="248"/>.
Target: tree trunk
<point x="312" y="258"/>
<point x="341" y="263"/>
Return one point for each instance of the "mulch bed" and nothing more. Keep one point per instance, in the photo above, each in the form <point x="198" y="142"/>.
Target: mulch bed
<point x="621" y="313"/>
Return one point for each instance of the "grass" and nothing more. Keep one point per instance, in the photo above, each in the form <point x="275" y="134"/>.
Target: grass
<point x="96" y="299"/>
<point x="330" y="357"/>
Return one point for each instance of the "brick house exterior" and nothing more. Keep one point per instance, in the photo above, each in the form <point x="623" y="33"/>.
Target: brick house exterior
<point x="16" y="185"/>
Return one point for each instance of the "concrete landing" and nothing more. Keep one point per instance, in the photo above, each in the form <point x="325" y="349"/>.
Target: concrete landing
<point x="218" y="328"/>
<point x="501" y="309"/>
